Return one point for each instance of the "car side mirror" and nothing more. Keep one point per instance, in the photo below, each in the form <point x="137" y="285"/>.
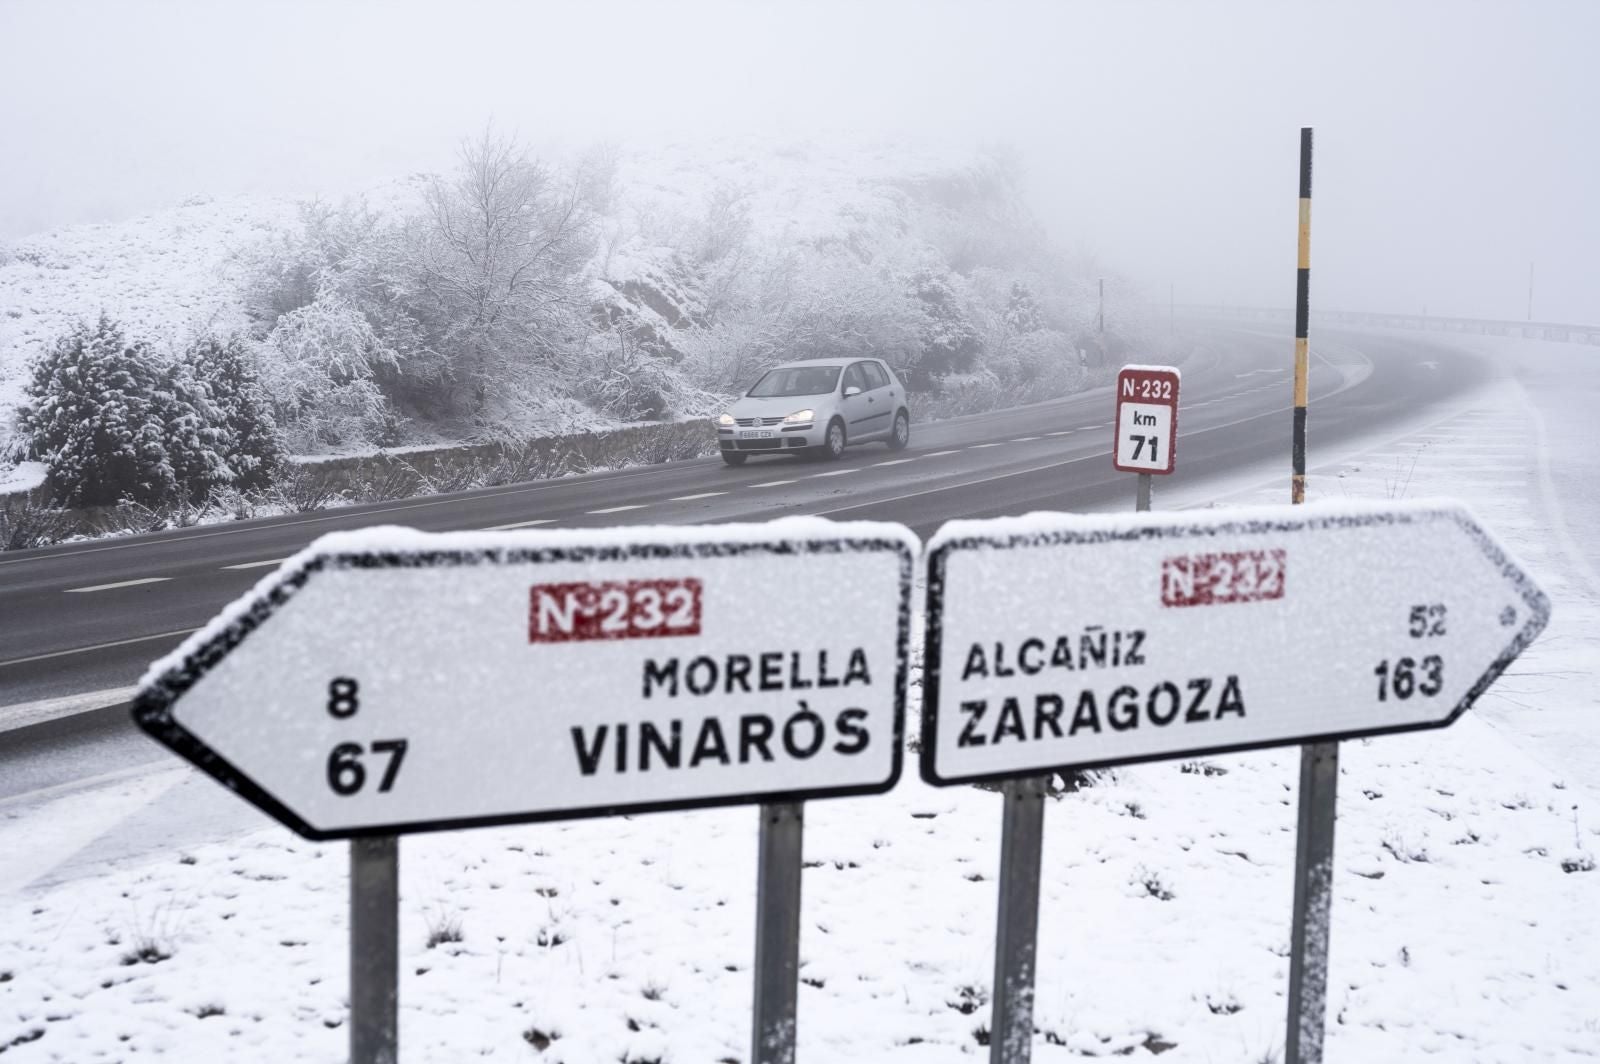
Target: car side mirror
<point x="851" y="389"/>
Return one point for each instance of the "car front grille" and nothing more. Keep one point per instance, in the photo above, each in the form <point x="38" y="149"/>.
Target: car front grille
<point x="758" y="422"/>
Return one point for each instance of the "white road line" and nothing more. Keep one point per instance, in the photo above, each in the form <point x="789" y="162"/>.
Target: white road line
<point x="835" y="473"/>
<point x="941" y="454"/>
<point x="893" y="461"/>
<point x="26" y="713"/>
<point x="702" y="495"/>
<point x="119" y="583"/>
<point x="978" y="446"/>
<point x="1063" y="432"/>
<point x="618" y="509"/>
<point x="519" y="524"/>
<point x="257" y="565"/>
<point x="769" y="484"/>
<point x="1024" y="439"/>
<point x="97" y="646"/>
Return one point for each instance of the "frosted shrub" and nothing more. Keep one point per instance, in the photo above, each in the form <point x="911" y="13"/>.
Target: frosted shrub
<point x="253" y="449"/>
<point x="320" y="363"/>
<point x="93" y="415"/>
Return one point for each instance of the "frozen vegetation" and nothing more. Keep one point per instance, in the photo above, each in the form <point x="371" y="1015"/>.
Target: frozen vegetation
<point x="516" y="298"/>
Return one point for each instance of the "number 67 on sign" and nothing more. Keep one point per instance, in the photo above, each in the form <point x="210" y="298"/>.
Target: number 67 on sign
<point x="1147" y="419"/>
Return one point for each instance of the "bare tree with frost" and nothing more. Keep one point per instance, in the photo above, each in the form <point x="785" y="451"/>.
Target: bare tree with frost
<point x="499" y="258"/>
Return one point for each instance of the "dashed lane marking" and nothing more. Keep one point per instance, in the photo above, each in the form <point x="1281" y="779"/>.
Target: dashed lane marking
<point x="520" y="524"/>
<point x="257" y="565"/>
<point x="702" y="495"/>
<point x="1063" y="432"/>
<point x="770" y="484"/>
<point x="1024" y="439"/>
<point x="619" y="509"/>
<point x="97" y="646"/>
<point x="977" y="446"/>
<point x="119" y="583"/>
<point x="835" y="473"/>
<point x="941" y="454"/>
<point x="894" y="461"/>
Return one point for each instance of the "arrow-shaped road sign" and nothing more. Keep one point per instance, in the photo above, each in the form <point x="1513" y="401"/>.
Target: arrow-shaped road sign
<point x="1056" y="641"/>
<point x="391" y="681"/>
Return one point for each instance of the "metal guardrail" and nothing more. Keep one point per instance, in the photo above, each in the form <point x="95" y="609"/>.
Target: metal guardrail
<point x="1527" y="330"/>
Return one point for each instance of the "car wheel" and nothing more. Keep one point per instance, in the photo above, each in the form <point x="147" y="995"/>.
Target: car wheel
<point x="734" y="458"/>
<point x="833" y="443"/>
<point x="902" y="432"/>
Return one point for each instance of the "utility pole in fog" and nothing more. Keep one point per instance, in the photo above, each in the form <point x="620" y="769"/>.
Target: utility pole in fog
<point x="1530" y="291"/>
<point x="1102" y="314"/>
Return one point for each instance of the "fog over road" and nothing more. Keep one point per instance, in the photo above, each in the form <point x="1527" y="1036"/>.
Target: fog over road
<point x="88" y="617"/>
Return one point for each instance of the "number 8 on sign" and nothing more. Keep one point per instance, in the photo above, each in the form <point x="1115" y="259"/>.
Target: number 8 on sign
<point x="1147" y="419"/>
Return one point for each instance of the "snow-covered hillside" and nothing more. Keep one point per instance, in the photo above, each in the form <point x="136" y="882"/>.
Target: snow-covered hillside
<point x="691" y="267"/>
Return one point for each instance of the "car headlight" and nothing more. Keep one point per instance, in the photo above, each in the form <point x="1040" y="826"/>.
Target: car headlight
<point x="725" y="419"/>
<point x="799" y="416"/>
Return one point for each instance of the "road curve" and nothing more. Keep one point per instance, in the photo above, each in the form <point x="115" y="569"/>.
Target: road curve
<point x="88" y="617"/>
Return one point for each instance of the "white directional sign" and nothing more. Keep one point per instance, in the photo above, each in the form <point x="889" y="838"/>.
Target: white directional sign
<point x="1147" y="419"/>
<point x="1058" y="641"/>
<point x="389" y="681"/>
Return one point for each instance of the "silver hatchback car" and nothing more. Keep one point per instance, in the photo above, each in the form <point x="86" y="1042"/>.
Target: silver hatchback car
<point x="818" y="408"/>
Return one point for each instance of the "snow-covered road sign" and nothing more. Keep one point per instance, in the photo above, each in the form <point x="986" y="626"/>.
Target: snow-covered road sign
<point x="391" y="681"/>
<point x="1147" y="419"/>
<point x="1057" y="641"/>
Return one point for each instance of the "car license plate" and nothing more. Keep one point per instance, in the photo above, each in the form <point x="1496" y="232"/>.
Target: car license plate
<point x="756" y="434"/>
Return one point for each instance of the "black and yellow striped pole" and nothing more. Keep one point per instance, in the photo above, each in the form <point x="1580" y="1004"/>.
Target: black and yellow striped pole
<point x="1319" y="762"/>
<point x="1302" y="322"/>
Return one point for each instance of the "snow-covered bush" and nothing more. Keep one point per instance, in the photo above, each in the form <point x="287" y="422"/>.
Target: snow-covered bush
<point x="92" y="414"/>
<point x="116" y="421"/>
<point x="254" y="449"/>
<point x="948" y="342"/>
<point x="319" y="367"/>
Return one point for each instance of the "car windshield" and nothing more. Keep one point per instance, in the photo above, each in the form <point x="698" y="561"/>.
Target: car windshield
<point x="796" y="380"/>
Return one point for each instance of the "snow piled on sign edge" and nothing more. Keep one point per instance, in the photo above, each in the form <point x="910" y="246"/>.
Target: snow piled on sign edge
<point x="1044" y="522"/>
<point x="396" y="539"/>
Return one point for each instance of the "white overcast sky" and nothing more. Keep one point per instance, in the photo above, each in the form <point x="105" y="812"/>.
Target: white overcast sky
<point x="1456" y="141"/>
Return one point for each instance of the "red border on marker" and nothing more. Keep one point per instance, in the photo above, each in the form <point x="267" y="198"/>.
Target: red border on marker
<point x="1151" y="386"/>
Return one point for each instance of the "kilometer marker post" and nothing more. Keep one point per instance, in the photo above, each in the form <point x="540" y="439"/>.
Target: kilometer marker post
<point x="1319" y="762"/>
<point x="1146" y="425"/>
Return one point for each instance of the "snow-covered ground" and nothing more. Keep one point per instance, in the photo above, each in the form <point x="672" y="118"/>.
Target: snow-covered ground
<point x="1466" y="899"/>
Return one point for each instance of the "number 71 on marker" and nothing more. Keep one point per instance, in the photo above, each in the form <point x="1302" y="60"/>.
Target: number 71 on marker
<point x="1147" y="419"/>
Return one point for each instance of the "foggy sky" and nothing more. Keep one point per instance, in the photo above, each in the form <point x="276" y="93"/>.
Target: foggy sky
<point x="1456" y="142"/>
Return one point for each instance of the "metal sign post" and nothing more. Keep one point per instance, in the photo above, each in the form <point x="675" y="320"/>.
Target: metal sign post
<point x="1319" y="762"/>
<point x="374" y="949"/>
<point x="777" y="932"/>
<point x="1192" y="640"/>
<point x="388" y="681"/>
<point x="1017" y="935"/>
